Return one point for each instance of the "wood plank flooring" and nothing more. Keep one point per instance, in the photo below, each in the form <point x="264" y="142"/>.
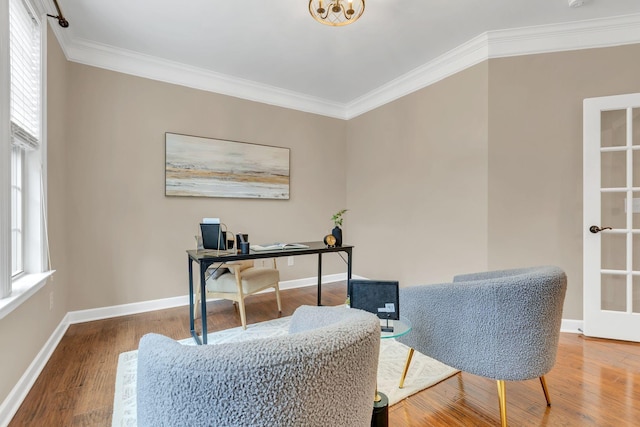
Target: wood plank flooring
<point x="594" y="383"/>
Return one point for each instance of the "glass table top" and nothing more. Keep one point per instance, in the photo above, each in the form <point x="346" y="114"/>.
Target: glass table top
<point x="400" y="327"/>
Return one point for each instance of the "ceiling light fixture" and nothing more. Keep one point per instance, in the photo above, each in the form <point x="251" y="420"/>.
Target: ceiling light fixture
<point x="336" y="12"/>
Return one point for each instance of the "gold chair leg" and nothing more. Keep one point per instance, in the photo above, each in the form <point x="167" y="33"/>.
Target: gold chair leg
<point x="502" y="400"/>
<point x="406" y="368"/>
<point x="545" y="390"/>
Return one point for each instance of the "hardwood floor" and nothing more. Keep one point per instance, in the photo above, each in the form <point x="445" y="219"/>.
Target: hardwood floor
<point x="594" y="383"/>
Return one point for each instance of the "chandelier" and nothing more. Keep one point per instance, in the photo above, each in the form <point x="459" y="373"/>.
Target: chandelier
<point x="336" y="12"/>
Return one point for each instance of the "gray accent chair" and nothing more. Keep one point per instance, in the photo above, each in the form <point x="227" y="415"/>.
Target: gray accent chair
<point x="502" y="325"/>
<point x="323" y="373"/>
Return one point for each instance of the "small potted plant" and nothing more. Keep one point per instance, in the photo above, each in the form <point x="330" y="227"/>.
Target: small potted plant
<point x="337" y="222"/>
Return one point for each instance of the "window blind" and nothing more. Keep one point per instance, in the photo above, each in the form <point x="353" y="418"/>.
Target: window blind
<point x="24" y="58"/>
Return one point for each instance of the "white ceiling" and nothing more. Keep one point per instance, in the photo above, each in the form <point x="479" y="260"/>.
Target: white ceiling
<point x="274" y="52"/>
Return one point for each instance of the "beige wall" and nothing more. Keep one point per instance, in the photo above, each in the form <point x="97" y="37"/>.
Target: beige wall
<point x="126" y="240"/>
<point x="417" y="183"/>
<point x="535" y="154"/>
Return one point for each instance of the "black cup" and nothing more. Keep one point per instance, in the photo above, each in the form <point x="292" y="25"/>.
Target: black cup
<point x="244" y="248"/>
<point x="241" y="238"/>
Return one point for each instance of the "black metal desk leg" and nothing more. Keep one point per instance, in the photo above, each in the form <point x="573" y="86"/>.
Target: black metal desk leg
<point x="319" y="279"/>
<point x="191" y="298"/>
<point x="349" y="260"/>
<point x="203" y="305"/>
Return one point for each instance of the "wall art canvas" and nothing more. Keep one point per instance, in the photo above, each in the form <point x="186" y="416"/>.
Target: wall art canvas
<point x="207" y="167"/>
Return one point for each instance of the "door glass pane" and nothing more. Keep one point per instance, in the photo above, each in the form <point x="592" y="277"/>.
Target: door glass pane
<point x="636" y="142"/>
<point x="613" y="292"/>
<point x="636" y="166"/>
<point x="614" y="128"/>
<point x="614" y="169"/>
<point x="612" y="210"/>
<point x="636" y="295"/>
<point x="636" y="252"/>
<point x="614" y="251"/>
<point x="636" y="126"/>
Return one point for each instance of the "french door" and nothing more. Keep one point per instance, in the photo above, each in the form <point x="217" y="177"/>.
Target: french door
<point x="612" y="217"/>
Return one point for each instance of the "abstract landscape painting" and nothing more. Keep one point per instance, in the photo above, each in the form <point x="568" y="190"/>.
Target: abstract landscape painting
<point x="206" y="167"/>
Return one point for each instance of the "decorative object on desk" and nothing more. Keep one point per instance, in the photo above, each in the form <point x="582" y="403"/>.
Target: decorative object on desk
<point x="241" y="237"/>
<point x="208" y="167"/>
<point x="199" y="245"/>
<point x="424" y="372"/>
<point x="330" y="240"/>
<point x="337" y="222"/>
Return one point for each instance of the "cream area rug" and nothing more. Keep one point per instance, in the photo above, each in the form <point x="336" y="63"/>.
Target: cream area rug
<point x="423" y="371"/>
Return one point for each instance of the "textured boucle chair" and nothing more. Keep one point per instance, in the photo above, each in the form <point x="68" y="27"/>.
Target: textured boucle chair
<point x="502" y="325"/>
<point x="322" y="374"/>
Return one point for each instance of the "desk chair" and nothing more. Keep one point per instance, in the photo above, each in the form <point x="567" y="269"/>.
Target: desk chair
<point x="237" y="280"/>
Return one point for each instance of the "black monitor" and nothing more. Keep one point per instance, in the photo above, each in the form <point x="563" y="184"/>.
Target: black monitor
<point x="380" y="297"/>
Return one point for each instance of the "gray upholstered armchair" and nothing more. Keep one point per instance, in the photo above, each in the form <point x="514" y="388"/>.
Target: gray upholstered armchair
<point x="502" y="325"/>
<point x="322" y="373"/>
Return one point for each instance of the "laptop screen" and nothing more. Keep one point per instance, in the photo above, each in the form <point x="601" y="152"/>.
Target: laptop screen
<point x="380" y="297"/>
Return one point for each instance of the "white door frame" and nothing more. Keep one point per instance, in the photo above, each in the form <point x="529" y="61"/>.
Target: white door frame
<point x="623" y="325"/>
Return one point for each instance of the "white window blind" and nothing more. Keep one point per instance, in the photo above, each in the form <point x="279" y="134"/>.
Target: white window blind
<point x="24" y="57"/>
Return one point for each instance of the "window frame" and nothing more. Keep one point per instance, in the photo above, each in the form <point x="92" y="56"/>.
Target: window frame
<point x="17" y="289"/>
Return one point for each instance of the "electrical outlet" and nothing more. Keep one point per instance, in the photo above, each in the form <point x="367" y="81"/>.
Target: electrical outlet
<point x="51" y="300"/>
<point x="290" y="261"/>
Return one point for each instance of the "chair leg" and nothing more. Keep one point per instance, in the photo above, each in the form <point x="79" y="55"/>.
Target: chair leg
<point x="545" y="390"/>
<point x="196" y="304"/>
<point x="243" y="317"/>
<point x="406" y="368"/>
<point x="278" y="297"/>
<point x="502" y="400"/>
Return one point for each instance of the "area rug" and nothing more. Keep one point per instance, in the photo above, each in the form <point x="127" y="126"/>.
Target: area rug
<point x="423" y="372"/>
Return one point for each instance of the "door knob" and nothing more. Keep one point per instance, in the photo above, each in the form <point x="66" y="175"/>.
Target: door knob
<point x="595" y="229"/>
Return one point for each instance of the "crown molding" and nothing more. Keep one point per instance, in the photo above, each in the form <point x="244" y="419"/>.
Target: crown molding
<point x="587" y="34"/>
<point x="462" y="57"/>
<point x="154" y="68"/>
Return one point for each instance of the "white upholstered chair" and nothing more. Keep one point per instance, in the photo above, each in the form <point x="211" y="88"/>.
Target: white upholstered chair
<point x="237" y="280"/>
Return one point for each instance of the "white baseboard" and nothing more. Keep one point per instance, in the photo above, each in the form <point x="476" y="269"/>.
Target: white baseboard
<point x="571" y="326"/>
<point x="10" y="406"/>
<point x="82" y="316"/>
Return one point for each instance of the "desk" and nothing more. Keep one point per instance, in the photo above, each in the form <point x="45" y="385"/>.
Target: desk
<point x="207" y="257"/>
